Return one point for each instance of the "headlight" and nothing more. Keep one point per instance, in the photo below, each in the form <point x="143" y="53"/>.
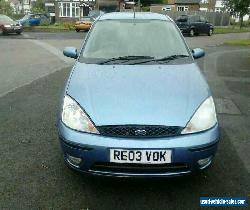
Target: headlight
<point x="74" y="117"/>
<point x="203" y="119"/>
<point x="7" y="26"/>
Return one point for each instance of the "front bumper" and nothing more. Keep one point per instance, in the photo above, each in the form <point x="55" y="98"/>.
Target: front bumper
<point x="94" y="152"/>
<point x="13" y="29"/>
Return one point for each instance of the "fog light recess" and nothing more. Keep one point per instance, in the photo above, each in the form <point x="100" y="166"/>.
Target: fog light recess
<point x="203" y="163"/>
<point x="74" y="161"/>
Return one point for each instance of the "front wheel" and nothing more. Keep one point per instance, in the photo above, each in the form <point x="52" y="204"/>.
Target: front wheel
<point x="18" y="32"/>
<point x="191" y="33"/>
<point x="210" y="32"/>
<point x="77" y="30"/>
<point x="2" y="32"/>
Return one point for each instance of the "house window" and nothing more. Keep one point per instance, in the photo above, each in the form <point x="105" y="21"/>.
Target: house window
<point x="166" y="8"/>
<point x="69" y="9"/>
<point x="26" y="2"/>
<point x="217" y="10"/>
<point x="182" y="8"/>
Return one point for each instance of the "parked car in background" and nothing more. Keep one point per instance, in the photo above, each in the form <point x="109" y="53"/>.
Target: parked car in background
<point x="34" y="19"/>
<point x="7" y="25"/>
<point x="136" y="102"/>
<point x="86" y="22"/>
<point x="194" y="25"/>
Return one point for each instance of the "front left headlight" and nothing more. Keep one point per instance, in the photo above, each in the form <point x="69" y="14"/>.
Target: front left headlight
<point x="203" y="119"/>
<point x="75" y="118"/>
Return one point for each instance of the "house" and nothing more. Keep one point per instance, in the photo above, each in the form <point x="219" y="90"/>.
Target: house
<point x="69" y="10"/>
<point x="26" y="6"/>
<point x="16" y="6"/>
<point x="176" y="5"/>
<point x="219" y="7"/>
<point x="21" y="6"/>
<point x="72" y="10"/>
<point x="207" y="5"/>
<point x="187" y="5"/>
<point x="108" y="5"/>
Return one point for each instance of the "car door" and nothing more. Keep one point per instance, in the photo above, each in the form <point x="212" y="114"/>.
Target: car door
<point x="34" y="20"/>
<point x="195" y="23"/>
<point x="203" y="25"/>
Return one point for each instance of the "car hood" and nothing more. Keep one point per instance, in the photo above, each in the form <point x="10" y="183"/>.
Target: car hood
<point x="138" y="94"/>
<point x="7" y="22"/>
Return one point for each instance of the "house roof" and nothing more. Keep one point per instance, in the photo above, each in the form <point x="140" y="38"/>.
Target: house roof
<point x="187" y="1"/>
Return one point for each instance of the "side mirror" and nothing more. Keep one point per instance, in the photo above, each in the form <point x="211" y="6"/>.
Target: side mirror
<point x="70" y="52"/>
<point x="198" y="53"/>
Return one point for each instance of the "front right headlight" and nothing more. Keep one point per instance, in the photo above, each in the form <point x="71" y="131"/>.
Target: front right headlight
<point x="75" y="118"/>
<point x="203" y="119"/>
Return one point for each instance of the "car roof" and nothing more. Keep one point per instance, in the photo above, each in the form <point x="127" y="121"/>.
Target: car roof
<point x="130" y="15"/>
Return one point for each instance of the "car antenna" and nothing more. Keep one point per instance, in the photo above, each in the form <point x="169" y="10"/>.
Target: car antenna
<point x="134" y="8"/>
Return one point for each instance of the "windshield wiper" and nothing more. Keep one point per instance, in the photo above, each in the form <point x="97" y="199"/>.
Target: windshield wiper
<point x="164" y="59"/>
<point x="125" y="58"/>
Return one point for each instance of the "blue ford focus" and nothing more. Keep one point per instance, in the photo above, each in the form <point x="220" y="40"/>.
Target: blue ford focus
<point x="136" y="103"/>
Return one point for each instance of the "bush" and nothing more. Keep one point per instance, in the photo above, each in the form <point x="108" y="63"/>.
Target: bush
<point x="16" y="16"/>
<point x="245" y="23"/>
<point x="145" y="9"/>
<point x="45" y="23"/>
<point x="69" y="25"/>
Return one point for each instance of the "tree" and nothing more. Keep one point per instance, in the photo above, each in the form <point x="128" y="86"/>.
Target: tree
<point x="38" y="7"/>
<point x="5" y="8"/>
<point x="238" y="8"/>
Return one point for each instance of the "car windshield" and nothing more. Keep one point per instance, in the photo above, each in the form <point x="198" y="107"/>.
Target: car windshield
<point x="26" y="17"/>
<point x="5" y="18"/>
<point x="129" y="38"/>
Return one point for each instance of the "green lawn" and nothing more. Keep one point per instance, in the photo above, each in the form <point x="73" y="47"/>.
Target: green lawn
<point x="55" y="27"/>
<point x="241" y="42"/>
<point x="230" y="29"/>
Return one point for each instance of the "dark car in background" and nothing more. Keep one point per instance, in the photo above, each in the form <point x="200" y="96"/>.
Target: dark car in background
<point x="35" y="19"/>
<point x="7" y="25"/>
<point x="194" y="25"/>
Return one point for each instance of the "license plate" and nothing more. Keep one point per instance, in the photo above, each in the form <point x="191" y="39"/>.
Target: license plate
<point x="140" y="156"/>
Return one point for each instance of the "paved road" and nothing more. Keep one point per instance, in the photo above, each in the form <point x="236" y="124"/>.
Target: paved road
<point x="32" y="172"/>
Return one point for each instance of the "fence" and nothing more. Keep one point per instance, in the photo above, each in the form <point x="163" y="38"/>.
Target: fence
<point x="216" y="18"/>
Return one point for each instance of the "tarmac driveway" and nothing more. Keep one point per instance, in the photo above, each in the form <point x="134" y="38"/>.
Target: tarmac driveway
<point x="33" y="175"/>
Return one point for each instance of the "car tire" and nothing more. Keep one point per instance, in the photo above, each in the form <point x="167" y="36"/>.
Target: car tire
<point x="1" y="32"/>
<point x="18" y="32"/>
<point x="77" y="30"/>
<point x="210" y="32"/>
<point x="191" y="32"/>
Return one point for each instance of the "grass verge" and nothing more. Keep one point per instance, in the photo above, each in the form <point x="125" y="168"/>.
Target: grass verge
<point x="225" y="30"/>
<point x="238" y="42"/>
